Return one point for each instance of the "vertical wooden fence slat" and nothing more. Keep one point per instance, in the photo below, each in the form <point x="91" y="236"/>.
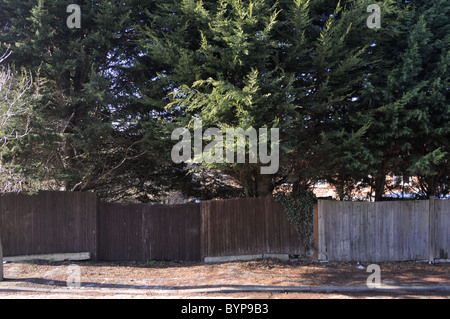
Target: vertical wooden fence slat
<point x="424" y="229"/>
<point x="322" y="251"/>
<point x="316" y="232"/>
<point x="1" y="261"/>
<point x="204" y="230"/>
<point x="431" y="229"/>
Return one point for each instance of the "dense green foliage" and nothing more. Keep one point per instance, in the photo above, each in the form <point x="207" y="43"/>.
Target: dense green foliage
<point x="407" y="99"/>
<point x="353" y="104"/>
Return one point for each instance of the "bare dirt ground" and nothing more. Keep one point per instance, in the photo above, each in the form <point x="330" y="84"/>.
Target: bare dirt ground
<point x="261" y="279"/>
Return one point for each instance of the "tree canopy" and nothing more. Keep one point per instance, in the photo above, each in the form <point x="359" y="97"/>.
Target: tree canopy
<point x="352" y="103"/>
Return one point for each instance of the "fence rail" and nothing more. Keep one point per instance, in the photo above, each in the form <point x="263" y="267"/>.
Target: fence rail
<point x="383" y="231"/>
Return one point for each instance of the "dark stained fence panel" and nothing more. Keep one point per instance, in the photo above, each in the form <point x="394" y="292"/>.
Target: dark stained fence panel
<point x="48" y="222"/>
<point x="281" y="236"/>
<point x="247" y="227"/>
<point x="233" y="227"/>
<point x="120" y="231"/>
<point x="149" y="232"/>
<point x="172" y="232"/>
<point x="65" y="222"/>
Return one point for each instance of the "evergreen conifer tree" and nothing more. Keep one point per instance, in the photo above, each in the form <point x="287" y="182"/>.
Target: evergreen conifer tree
<point x="85" y="134"/>
<point x="407" y="97"/>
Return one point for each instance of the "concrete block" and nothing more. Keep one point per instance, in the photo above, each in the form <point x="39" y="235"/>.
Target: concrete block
<point x="283" y="257"/>
<point x="232" y="258"/>
<point x="50" y="257"/>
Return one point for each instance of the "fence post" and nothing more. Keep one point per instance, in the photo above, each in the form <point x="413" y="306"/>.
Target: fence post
<point x="1" y="261"/>
<point x="431" y="229"/>
<point x="316" y="232"/>
<point x="321" y="244"/>
<point x="204" y="226"/>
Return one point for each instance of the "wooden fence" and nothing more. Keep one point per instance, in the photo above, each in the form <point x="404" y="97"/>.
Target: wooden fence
<point x="383" y="231"/>
<point x="194" y="232"/>
<point x="48" y="222"/>
<point x="149" y="232"/>
<point x="247" y="226"/>
<point x="64" y="222"/>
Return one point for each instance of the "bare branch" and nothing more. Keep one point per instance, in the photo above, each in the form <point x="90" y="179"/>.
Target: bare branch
<point x="15" y="119"/>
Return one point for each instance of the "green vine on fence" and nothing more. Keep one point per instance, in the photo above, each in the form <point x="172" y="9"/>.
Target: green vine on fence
<point x="300" y="210"/>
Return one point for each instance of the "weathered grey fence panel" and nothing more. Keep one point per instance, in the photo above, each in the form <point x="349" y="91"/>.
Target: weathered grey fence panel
<point x="383" y="231"/>
<point x="442" y="229"/>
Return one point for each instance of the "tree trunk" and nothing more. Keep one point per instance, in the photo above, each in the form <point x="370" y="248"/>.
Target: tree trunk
<point x="431" y="186"/>
<point x="263" y="185"/>
<point x="380" y="183"/>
